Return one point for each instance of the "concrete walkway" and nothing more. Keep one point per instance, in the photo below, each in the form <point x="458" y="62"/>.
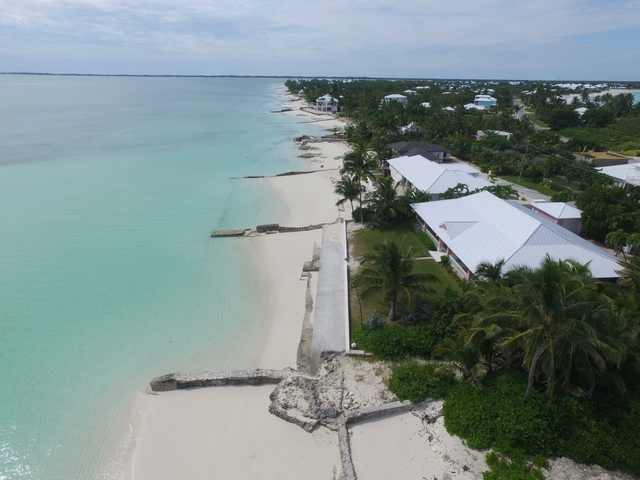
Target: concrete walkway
<point x="329" y="325"/>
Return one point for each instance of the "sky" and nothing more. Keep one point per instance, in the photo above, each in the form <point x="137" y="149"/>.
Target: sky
<point x="493" y="39"/>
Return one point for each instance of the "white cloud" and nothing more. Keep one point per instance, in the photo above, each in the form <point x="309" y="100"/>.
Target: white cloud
<point x="343" y="31"/>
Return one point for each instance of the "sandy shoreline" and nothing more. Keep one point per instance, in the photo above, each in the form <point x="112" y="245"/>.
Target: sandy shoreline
<point x="228" y="432"/>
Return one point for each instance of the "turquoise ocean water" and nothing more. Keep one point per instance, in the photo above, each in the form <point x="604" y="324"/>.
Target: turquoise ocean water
<point x="109" y="189"/>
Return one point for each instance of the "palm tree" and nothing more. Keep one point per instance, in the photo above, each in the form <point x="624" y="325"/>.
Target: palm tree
<point x="617" y="240"/>
<point x="350" y="188"/>
<point x="385" y="199"/>
<point x="359" y="163"/>
<point x="490" y="272"/>
<point x="388" y="271"/>
<point x="554" y="316"/>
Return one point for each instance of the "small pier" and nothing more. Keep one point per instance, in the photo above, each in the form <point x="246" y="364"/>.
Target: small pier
<point x="229" y="233"/>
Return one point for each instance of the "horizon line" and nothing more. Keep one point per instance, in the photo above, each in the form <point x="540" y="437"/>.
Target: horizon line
<point x="323" y="77"/>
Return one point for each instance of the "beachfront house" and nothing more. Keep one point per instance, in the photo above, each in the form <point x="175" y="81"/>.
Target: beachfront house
<point x="395" y="97"/>
<point x="327" y="103"/>
<point x="473" y="106"/>
<point x="623" y="175"/>
<point x="486" y="101"/>
<point x="434" y="178"/>
<point x="484" y="228"/>
<point x="560" y="213"/>
<point x="428" y="150"/>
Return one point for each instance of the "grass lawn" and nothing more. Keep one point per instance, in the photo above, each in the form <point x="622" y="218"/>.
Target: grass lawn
<point x="366" y="238"/>
<point x="532" y="116"/>
<point x="363" y="240"/>
<point x="529" y="184"/>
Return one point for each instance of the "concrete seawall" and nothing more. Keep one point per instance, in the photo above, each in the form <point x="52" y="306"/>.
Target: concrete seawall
<point x="178" y="381"/>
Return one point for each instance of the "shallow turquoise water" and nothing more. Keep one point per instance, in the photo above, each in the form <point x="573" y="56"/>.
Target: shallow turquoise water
<point x="109" y="188"/>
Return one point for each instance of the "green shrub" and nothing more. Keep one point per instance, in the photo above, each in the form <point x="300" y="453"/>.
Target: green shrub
<point x="415" y="382"/>
<point x="426" y="240"/>
<point x="498" y="417"/>
<point x="502" y="468"/>
<point x="396" y="342"/>
<point x="601" y="430"/>
<point x="375" y="321"/>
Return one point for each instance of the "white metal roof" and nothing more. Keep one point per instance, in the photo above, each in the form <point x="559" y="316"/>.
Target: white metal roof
<point x="395" y="96"/>
<point x="471" y="106"/>
<point x="484" y="228"/>
<point x="622" y="172"/>
<point x="436" y="178"/>
<point x="559" y="210"/>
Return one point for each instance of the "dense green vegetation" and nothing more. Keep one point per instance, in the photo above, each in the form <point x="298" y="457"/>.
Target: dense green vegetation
<point x="417" y="381"/>
<point x="544" y="160"/>
<point x="547" y="361"/>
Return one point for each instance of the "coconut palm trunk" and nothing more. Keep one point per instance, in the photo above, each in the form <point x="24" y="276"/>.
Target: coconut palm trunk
<point x="532" y="372"/>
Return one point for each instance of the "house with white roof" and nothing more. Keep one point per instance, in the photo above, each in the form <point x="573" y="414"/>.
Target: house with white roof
<point x="426" y="104"/>
<point x="327" y="103"/>
<point x="482" y="228"/>
<point x="487" y="101"/>
<point x="434" y="178"/>
<point x="473" y="106"/>
<point x="410" y="92"/>
<point x="395" y="97"/>
<point x="560" y="213"/>
<point x="581" y="111"/>
<point x="622" y="175"/>
<point x="449" y="109"/>
<point x="428" y="150"/>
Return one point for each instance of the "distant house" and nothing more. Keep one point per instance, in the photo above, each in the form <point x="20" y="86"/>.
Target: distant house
<point x="560" y="213"/>
<point x="484" y="228"/>
<point x="581" y="111"/>
<point x="434" y="178"/>
<point x="395" y="97"/>
<point x="486" y="101"/>
<point x="485" y="133"/>
<point x="426" y="104"/>
<point x="428" y="150"/>
<point x="473" y="106"/>
<point x="411" y="128"/>
<point x="327" y="103"/>
<point x="449" y="109"/>
<point x="490" y="91"/>
<point x="623" y="175"/>
<point x="602" y="159"/>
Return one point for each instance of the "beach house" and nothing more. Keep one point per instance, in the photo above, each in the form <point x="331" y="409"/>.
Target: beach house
<point x="434" y="178"/>
<point x="560" y="213"/>
<point x="428" y="150"/>
<point x="327" y="103"/>
<point x="486" y="101"/>
<point x="623" y="175"/>
<point x="473" y="106"/>
<point x="482" y="228"/>
<point x="395" y="97"/>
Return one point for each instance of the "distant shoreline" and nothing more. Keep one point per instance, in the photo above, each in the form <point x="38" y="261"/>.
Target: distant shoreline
<point x="406" y="79"/>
